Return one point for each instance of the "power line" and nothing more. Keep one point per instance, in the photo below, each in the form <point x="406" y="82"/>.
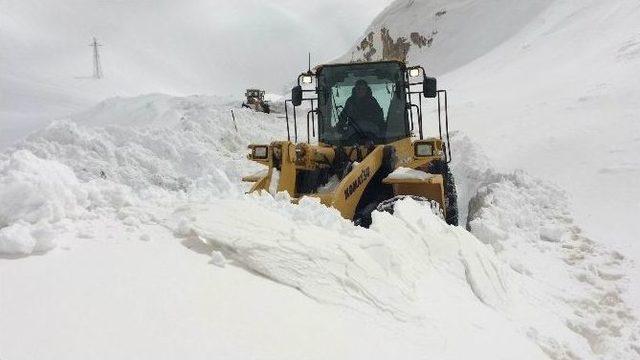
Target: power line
<point x="97" y="68"/>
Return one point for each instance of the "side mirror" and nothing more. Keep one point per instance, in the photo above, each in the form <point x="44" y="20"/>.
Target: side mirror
<point x="429" y="87"/>
<point x="296" y="95"/>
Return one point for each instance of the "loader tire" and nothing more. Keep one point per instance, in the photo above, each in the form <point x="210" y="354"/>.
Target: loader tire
<point x="363" y="217"/>
<point x="376" y="192"/>
<point x="450" y="193"/>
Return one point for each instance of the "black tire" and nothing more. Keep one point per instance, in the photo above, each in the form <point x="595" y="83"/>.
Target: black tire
<point x="450" y="193"/>
<point x="376" y="192"/>
<point x="363" y="217"/>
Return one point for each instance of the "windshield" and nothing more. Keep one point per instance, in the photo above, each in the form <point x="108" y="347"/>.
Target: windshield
<point x="360" y="103"/>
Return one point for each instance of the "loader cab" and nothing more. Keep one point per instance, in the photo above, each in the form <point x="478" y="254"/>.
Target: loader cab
<point x="361" y="103"/>
<point x="391" y="111"/>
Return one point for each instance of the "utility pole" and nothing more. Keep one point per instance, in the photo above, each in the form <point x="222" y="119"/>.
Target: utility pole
<point x="97" y="68"/>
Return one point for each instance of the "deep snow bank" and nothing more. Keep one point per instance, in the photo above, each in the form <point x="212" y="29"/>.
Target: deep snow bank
<point x="169" y="142"/>
<point x="529" y="225"/>
<point x="120" y="153"/>
<point x="313" y="249"/>
<point x="37" y="193"/>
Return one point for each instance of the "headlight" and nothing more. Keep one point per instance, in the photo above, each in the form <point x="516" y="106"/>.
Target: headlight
<point x="414" y="72"/>
<point x="260" y="152"/>
<point x="307" y="79"/>
<point x="423" y="149"/>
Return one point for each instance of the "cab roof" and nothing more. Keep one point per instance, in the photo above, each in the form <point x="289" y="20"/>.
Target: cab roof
<point x="403" y="66"/>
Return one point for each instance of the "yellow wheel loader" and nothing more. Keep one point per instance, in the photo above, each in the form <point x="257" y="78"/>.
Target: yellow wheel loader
<point x="255" y="101"/>
<point x="368" y="154"/>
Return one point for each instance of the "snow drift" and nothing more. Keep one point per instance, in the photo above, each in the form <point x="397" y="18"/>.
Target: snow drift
<point x="315" y="250"/>
<point x="530" y="227"/>
<point x="171" y="147"/>
<point x="33" y="192"/>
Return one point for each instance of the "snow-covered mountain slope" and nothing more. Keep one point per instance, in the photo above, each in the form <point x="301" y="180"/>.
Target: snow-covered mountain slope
<point x="128" y="201"/>
<point x="443" y="35"/>
<point x="546" y="86"/>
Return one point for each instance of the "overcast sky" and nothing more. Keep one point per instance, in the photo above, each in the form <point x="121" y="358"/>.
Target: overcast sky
<point x="191" y="42"/>
<point x="170" y="46"/>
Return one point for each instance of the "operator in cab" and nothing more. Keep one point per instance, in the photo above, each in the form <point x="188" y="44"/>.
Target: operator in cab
<point x="362" y="112"/>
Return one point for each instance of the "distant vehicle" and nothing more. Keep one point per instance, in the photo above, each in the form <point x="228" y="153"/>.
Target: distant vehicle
<point x="255" y="101"/>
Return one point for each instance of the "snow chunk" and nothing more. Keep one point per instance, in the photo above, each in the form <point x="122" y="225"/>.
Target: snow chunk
<point x="330" y="186"/>
<point x="403" y="173"/>
<point x="274" y="181"/>
<point x="22" y="238"/>
<point x="218" y="259"/>
<point x="33" y="189"/>
<point x="312" y="248"/>
<point x="34" y="192"/>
